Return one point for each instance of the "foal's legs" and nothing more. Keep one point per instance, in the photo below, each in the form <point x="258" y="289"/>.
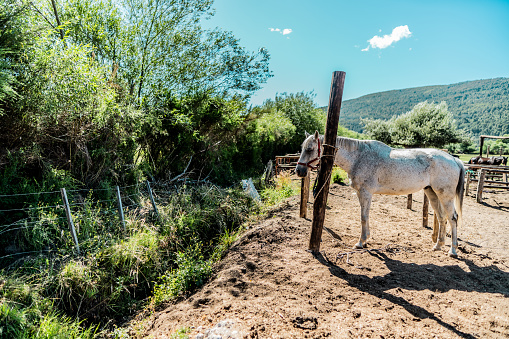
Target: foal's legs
<point x="365" y="201"/>
<point x="441" y="216"/>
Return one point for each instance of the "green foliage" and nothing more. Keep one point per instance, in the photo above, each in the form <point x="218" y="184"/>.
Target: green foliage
<point x="162" y="45"/>
<point x="426" y="125"/>
<point x="192" y="272"/>
<point x="480" y="106"/>
<point x="117" y="270"/>
<point x="496" y="145"/>
<point x="200" y="127"/>
<point x="25" y="314"/>
<point x="302" y="111"/>
<point x="339" y="176"/>
<point x="284" y="188"/>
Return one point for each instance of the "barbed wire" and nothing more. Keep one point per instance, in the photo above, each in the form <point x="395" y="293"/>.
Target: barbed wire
<point x="26" y="194"/>
<point x="31" y="208"/>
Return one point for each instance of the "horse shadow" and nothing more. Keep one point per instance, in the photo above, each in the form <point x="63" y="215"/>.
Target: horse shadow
<point x="423" y="277"/>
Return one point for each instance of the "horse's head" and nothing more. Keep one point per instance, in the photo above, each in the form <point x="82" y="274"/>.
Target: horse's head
<point x="310" y="155"/>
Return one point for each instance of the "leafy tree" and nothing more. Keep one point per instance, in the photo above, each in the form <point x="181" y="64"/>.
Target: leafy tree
<point x="426" y="125"/>
<point x="302" y="111"/>
<point x="160" y="44"/>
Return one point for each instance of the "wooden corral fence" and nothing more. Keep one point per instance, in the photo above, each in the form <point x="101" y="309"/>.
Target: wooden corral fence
<point x="286" y="162"/>
<point x="486" y="176"/>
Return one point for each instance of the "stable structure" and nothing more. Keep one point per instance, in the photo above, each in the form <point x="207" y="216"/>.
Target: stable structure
<point x="481" y="141"/>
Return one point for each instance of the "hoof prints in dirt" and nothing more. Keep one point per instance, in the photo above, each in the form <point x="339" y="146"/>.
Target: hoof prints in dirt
<point x="306" y="323"/>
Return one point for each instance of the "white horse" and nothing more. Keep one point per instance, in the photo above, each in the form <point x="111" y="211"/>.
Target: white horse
<point x="375" y="168"/>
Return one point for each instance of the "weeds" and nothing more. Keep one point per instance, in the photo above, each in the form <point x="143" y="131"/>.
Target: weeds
<point x="284" y="188"/>
<point x="339" y="176"/>
<point x="119" y="271"/>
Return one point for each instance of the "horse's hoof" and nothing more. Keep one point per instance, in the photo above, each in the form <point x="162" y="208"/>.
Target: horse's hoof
<point x="358" y="246"/>
<point x="436" y="248"/>
<point x="453" y="254"/>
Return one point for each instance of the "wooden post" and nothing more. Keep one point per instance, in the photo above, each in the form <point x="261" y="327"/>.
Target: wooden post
<point x="304" y="196"/>
<point x="69" y="219"/>
<point x="120" y="209"/>
<point x="409" y="202"/>
<point x="327" y="160"/>
<point x="152" y="198"/>
<point x="425" y="211"/>
<point x="467" y="186"/>
<point x="480" y="185"/>
<point x="488" y="151"/>
<point x="481" y="138"/>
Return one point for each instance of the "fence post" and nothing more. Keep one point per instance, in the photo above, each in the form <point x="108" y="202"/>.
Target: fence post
<point x="480" y="185"/>
<point x="304" y="196"/>
<point x="152" y="198"/>
<point x="409" y="202"/>
<point x="120" y="209"/>
<point x="69" y="219"/>
<point x="467" y="185"/>
<point x="323" y="182"/>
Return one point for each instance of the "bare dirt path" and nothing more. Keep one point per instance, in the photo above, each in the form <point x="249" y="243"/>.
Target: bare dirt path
<point x="269" y="286"/>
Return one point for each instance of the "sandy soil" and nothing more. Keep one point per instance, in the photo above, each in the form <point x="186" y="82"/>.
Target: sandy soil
<point x="269" y="286"/>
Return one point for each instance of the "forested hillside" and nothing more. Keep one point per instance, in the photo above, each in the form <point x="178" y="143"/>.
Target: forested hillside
<point x="480" y="106"/>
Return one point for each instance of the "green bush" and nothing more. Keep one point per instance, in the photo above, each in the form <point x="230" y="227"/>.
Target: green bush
<point x="284" y="188"/>
<point x="192" y="272"/>
<point x="339" y="176"/>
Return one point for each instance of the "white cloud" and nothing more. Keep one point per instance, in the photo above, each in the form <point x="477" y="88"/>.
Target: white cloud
<point x="397" y="34"/>
<point x="284" y="31"/>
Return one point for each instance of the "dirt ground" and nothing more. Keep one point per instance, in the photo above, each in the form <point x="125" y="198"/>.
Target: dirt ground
<point x="269" y="286"/>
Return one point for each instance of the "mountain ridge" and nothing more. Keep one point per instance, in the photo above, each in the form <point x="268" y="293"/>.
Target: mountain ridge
<point x="478" y="106"/>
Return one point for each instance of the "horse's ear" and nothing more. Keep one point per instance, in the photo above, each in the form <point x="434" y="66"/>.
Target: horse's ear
<point x="317" y="135"/>
<point x="307" y="134"/>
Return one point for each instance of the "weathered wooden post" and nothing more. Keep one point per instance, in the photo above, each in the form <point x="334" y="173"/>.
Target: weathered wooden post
<point x="425" y="211"/>
<point x="327" y="160"/>
<point x="488" y="151"/>
<point x="409" y="202"/>
<point x="467" y="185"/>
<point x="304" y="196"/>
<point x="480" y="185"/>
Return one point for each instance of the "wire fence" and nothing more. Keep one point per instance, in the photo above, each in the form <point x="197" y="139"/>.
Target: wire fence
<point x="29" y="214"/>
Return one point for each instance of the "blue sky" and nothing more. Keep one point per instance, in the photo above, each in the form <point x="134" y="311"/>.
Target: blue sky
<point x="381" y="45"/>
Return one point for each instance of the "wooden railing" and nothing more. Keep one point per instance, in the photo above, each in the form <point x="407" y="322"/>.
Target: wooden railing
<point x="486" y="176"/>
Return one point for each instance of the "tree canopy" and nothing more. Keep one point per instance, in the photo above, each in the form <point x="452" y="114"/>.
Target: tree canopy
<point x="426" y="125"/>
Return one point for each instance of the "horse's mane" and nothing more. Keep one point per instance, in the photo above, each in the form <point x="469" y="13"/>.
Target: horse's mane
<point x="353" y="145"/>
<point x="349" y="144"/>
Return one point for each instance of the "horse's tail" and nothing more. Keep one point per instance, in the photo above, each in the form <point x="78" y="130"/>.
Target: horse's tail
<point x="460" y="189"/>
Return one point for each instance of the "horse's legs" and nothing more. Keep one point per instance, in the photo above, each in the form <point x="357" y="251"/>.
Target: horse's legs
<point x="441" y="216"/>
<point x="453" y="219"/>
<point x="365" y="201"/>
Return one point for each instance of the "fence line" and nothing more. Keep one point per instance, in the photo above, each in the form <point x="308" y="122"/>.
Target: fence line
<point x="25" y="194"/>
<point x="66" y="206"/>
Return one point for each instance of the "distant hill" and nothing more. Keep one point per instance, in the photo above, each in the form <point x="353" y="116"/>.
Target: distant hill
<point x="480" y="106"/>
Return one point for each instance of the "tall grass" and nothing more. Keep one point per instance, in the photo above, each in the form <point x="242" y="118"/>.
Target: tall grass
<point x="284" y="187"/>
<point x="58" y="294"/>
